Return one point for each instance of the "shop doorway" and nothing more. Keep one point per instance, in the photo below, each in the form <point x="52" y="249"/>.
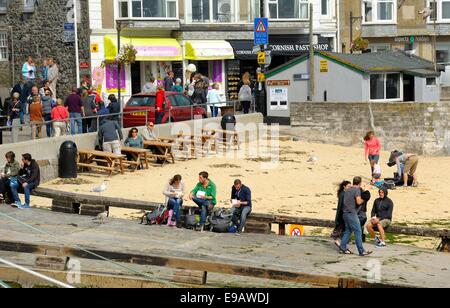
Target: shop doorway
<point x="136" y="77"/>
<point x="408" y="88"/>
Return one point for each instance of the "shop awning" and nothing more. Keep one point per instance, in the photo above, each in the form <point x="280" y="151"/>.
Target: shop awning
<point x="243" y="49"/>
<point x="209" y="50"/>
<point x="148" y="48"/>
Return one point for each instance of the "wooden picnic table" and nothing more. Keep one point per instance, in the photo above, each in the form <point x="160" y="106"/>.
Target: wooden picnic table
<point x="163" y="150"/>
<point x="139" y="156"/>
<point x="93" y="159"/>
<point x="225" y="133"/>
<point x="196" y="141"/>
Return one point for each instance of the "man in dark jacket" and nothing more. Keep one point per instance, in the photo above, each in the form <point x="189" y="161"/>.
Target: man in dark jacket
<point x="169" y="82"/>
<point x="109" y="136"/>
<point x="381" y="217"/>
<point x="241" y="198"/>
<point x="114" y="108"/>
<point x="30" y="177"/>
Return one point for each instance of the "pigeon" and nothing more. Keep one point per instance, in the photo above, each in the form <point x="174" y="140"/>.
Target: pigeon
<point x="102" y="217"/>
<point x="100" y="188"/>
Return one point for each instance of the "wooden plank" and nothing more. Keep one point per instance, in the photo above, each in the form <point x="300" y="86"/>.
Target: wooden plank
<point x="190" y="277"/>
<point x="199" y="265"/>
<point x="96" y="166"/>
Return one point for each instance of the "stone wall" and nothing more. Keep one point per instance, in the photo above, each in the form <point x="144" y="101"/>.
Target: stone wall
<point x="40" y="34"/>
<point x="422" y="128"/>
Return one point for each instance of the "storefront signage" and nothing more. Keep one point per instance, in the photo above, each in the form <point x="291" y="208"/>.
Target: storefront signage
<point x="299" y="47"/>
<point x="271" y="83"/>
<point x="69" y="33"/>
<point x="278" y="99"/>
<point x="111" y="77"/>
<point x="84" y="65"/>
<point x="155" y="51"/>
<point x="412" y="39"/>
<point x="323" y="66"/>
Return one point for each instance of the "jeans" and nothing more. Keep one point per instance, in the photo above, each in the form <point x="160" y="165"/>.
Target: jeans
<point x="75" y="117"/>
<point x="246" y="106"/>
<point x="204" y="206"/>
<point x="175" y="205"/>
<point x="14" y="184"/>
<point x="27" y="190"/>
<point x="48" y="125"/>
<point x="376" y="158"/>
<point x="352" y="225"/>
<point x="214" y="111"/>
<point x="243" y="211"/>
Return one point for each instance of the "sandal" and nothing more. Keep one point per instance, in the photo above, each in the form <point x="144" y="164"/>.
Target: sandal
<point x="416" y="184"/>
<point x="346" y="252"/>
<point x="365" y="253"/>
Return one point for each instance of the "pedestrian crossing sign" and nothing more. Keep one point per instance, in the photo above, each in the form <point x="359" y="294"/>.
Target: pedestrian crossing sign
<point x="261" y="31"/>
<point x="261" y="27"/>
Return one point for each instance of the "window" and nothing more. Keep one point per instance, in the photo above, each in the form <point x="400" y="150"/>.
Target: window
<point x="385" y="87"/>
<point x="288" y="9"/>
<point x="325" y="7"/>
<point x="182" y="101"/>
<point x="431" y="82"/>
<point x="3" y="46"/>
<point x="3" y="6"/>
<point x="379" y="11"/>
<point x="28" y="6"/>
<point x="441" y="10"/>
<point x="142" y="101"/>
<point x="442" y="56"/>
<point x="147" y="8"/>
<point x="221" y="11"/>
<point x="379" y="47"/>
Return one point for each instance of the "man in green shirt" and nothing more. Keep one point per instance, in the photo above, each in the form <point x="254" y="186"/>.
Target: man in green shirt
<point x="204" y="195"/>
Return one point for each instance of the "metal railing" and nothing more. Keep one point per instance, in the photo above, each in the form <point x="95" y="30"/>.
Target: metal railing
<point x="25" y="131"/>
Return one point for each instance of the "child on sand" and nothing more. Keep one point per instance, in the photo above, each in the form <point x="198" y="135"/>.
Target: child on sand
<point x="376" y="176"/>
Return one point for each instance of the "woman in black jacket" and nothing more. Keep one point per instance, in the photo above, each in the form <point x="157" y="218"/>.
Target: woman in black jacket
<point x="339" y="220"/>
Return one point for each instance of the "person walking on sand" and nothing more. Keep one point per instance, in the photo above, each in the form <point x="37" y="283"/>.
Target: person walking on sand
<point x="372" y="147"/>
<point x="352" y="200"/>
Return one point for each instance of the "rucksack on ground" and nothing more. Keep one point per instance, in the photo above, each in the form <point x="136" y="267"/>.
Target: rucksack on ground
<point x="156" y="217"/>
<point x="220" y="221"/>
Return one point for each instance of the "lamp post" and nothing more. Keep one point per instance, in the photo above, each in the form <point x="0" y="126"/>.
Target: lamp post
<point x="352" y="20"/>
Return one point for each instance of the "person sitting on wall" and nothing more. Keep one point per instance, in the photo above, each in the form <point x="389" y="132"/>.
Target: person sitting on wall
<point x="204" y="195"/>
<point x="241" y="199"/>
<point x="9" y="177"/>
<point x="381" y="217"/>
<point x="29" y="179"/>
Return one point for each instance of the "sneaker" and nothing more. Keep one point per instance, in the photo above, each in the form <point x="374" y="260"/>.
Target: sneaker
<point x="24" y="207"/>
<point x="237" y="233"/>
<point x="377" y="240"/>
<point x="16" y="204"/>
<point x="380" y="244"/>
<point x="365" y="253"/>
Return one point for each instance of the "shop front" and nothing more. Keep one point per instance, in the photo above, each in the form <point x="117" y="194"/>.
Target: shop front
<point x="155" y="58"/>
<point x="283" y="49"/>
<point x="209" y="58"/>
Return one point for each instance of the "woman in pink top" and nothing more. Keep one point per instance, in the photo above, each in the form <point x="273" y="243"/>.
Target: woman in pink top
<point x="372" y="147"/>
<point x="60" y="117"/>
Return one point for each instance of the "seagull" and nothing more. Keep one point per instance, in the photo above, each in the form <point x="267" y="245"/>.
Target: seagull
<point x="426" y="12"/>
<point x="100" y="188"/>
<point x="102" y="217"/>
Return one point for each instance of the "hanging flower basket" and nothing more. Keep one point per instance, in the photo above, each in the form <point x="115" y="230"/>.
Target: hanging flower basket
<point x="360" y="44"/>
<point x="127" y="55"/>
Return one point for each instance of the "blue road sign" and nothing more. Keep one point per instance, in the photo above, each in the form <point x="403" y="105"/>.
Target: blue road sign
<point x="261" y="31"/>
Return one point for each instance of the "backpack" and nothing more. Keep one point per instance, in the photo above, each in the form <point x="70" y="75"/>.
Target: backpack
<point x="220" y="221"/>
<point x="158" y="216"/>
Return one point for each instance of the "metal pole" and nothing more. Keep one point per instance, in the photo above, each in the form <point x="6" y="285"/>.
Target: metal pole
<point x="119" y="94"/>
<point x="75" y="24"/>
<point x="311" y="55"/>
<point x="434" y="37"/>
<point x="12" y="57"/>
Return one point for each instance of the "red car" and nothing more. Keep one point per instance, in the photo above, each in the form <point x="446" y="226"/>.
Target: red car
<point x="182" y="109"/>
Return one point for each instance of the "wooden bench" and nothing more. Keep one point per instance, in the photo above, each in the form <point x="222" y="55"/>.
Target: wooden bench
<point x="163" y="150"/>
<point x="90" y="159"/>
<point x="140" y="156"/>
<point x="196" y="143"/>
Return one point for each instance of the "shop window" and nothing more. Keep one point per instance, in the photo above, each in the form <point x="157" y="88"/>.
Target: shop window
<point x="442" y="56"/>
<point x="182" y="101"/>
<point x="385" y="87"/>
<point x="148" y="8"/>
<point x="379" y="11"/>
<point x="288" y="9"/>
<point x="3" y="46"/>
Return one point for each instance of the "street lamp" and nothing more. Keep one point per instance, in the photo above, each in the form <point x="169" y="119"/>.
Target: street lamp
<point x="352" y="20"/>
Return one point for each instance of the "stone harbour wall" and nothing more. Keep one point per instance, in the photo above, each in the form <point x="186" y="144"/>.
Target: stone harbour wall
<point x="41" y="34"/>
<point x="422" y="128"/>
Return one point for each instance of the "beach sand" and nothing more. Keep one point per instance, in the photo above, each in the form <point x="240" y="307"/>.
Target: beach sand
<point x="295" y="187"/>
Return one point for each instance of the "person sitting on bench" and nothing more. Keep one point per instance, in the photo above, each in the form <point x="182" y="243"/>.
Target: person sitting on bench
<point x="9" y="177"/>
<point x="381" y="217"/>
<point x="204" y="195"/>
<point x="241" y="199"/>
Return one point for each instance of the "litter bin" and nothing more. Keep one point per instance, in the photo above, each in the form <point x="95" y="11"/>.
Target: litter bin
<point x="228" y="122"/>
<point x="68" y="160"/>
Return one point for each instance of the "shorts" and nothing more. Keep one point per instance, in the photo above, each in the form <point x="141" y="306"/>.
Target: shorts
<point x="411" y="165"/>
<point x="385" y="223"/>
<point x="375" y="158"/>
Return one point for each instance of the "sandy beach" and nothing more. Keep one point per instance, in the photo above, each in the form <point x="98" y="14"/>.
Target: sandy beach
<point x="295" y="187"/>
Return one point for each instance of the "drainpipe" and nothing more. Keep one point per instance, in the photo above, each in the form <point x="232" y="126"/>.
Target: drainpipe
<point x="12" y="57"/>
<point x="75" y="24"/>
<point x="338" y="25"/>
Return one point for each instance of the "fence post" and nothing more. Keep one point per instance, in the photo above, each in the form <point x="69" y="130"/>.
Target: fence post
<point x="146" y="118"/>
<point x="192" y="112"/>
<point x="170" y="118"/>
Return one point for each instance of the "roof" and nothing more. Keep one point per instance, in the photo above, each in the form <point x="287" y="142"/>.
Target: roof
<point x="377" y="62"/>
